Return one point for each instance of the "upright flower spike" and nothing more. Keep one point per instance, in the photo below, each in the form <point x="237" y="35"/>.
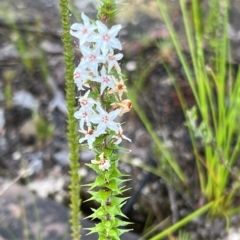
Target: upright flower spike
<point x="99" y="107"/>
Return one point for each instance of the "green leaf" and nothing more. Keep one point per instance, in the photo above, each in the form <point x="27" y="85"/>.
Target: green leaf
<point x="104" y="194"/>
<point x="108" y="225"/>
<point x="95" y="167"/>
<point x="108" y="153"/>
<point x="100" y="227"/>
<point x="113" y="233"/>
<point x="113" y="185"/>
<point x="98" y="213"/>
<point x="117" y="200"/>
<point x="100" y="181"/>
<point x="117" y="174"/>
<point x="113" y="211"/>
<point x="107" y="176"/>
<point x="99" y="140"/>
<point x="121" y="231"/>
<point x="91" y="230"/>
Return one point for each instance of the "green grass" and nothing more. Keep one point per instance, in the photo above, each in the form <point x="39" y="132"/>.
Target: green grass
<point x="214" y="119"/>
<point x="212" y="84"/>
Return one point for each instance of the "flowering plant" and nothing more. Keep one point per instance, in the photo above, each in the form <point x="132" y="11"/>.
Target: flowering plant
<point x="99" y="75"/>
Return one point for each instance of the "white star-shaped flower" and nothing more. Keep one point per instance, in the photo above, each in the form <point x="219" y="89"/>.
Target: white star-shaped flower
<point x="105" y="120"/>
<point x="83" y="31"/>
<point x="83" y="114"/>
<point x="112" y="61"/>
<point x="105" y="80"/>
<point x="90" y="137"/>
<point x="86" y="102"/>
<point x="92" y="58"/>
<point x="106" y="39"/>
<point x="120" y="137"/>
<point x="81" y="76"/>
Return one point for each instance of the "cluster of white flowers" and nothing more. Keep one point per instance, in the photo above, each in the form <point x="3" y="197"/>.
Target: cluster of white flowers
<point x="99" y="64"/>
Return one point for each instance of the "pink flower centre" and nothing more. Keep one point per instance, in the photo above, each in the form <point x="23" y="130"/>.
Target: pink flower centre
<point x="111" y="58"/>
<point x="105" y="119"/>
<point x="84" y="102"/>
<point x="106" y="80"/>
<point x="84" y="31"/>
<point x="106" y="37"/>
<point x="92" y="58"/>
<point x="76" y="75"/>
<point x="84" y="114"/>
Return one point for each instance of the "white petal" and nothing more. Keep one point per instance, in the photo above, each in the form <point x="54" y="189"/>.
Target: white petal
<point x="95" y="38"/>
<point x="101" y="58"/>
<point x="103" y="86"/>
<point x="118" y="141"/>
<point x="110" y="65"/>
<point x="76" y="27"/>
<point x="81" y="124"/>
<point x="95" y="119"/>
<point x="82" y="139"/>
<point x="96" y="51"/>
<point x="101" y="110"/>
<point x="113" y="126"/>
<point x="85" y="19"/>
<point x="83" y="39"/>
<point x="114" y="30"/>
<point x="78" y="115"/>
<point x="100" y="129"/>
<point x="103" y="71"/>
<point x="97" y="79"/>
<point x="126" y="138"/>
<point x="101" y="27"/>
<point x="76" y="30"/>
<point x="85" y="51"/>
<point x="114" y="114"/>
<point x="104" y="48"/>
<point x="90" y="142"/>
<point x="79" y="84"/>
<point x="119" y="56"/>
<point x="94" y="68"/>
<point x="115" y="43"/>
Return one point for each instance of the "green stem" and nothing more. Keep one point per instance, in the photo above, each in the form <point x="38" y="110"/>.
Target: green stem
<point x="72" y="134"/>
